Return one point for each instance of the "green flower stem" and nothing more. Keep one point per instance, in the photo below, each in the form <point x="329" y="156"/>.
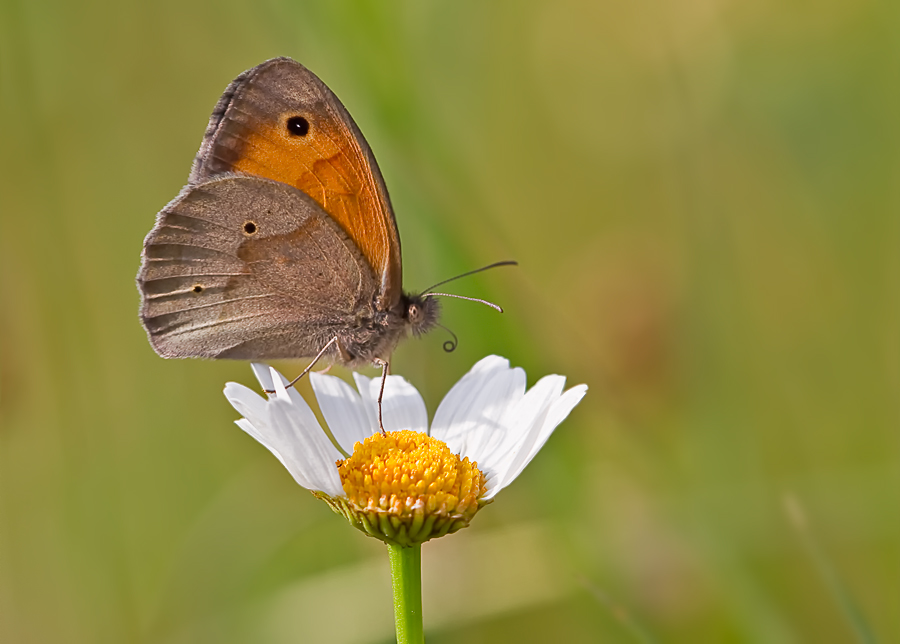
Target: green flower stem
<point x="406" y="578"/>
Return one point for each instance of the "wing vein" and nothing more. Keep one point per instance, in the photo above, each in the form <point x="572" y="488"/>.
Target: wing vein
<point x="219" y="303"/>
<point x="176" y="277"/>
<point x="211" y="324"/>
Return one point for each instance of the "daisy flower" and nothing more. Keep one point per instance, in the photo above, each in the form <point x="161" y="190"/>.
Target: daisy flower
<point x="412" y="482"/>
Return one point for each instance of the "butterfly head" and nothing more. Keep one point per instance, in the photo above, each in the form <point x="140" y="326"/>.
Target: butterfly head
<point x="421" y="312"/>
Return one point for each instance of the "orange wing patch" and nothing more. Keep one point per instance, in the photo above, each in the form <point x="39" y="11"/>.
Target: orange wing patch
<point x="328" y="170"/>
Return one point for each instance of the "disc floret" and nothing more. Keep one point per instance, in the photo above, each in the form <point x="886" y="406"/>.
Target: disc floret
<point x="405" y="487"/>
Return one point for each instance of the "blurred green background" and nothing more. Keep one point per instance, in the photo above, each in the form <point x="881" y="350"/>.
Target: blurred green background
<point x="703" y="196"/>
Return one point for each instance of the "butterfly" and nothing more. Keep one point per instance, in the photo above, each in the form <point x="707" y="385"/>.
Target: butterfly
<point x="283" y="244"/>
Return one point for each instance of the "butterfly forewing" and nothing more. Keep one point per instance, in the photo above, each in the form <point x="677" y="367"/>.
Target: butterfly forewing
<point x="281" y="122"/>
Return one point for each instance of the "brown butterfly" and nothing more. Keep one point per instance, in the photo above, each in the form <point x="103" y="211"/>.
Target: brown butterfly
<point x="283" y="244"/>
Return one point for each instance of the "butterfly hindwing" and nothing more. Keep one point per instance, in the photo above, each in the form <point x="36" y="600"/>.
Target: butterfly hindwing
<point x="243" y="267"/>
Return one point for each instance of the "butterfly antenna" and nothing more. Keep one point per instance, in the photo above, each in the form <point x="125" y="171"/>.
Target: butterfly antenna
<point x="477" y="270"/>
<point x="463" y="297"/>
<point x="449" y="345"/>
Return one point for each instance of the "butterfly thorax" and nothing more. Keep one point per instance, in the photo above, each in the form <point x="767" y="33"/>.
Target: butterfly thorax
<point x="376" y="336"/>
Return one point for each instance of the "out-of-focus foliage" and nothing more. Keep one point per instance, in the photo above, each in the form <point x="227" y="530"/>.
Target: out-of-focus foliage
<point x="703" y="196"/>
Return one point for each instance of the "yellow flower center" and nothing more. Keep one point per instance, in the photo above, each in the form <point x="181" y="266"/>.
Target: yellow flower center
<point x="405" y="487"/>
<point x="406" y="472"/>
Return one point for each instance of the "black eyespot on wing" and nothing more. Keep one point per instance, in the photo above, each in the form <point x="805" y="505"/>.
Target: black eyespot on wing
<point x="198" y="288"/>
<point x="250" y="228"/>
<point x="298" y="126"/>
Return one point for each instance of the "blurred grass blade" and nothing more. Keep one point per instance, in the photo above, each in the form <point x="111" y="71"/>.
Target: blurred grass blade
<point x="839" y="590"/>
<point x="622" y="615"/>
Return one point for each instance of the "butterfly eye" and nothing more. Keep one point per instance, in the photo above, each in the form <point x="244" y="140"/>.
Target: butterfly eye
<point x="250" y="228"/>
<point x="298" y="126"/>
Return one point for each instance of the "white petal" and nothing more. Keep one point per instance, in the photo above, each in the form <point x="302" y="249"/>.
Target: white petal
<point x="258" y="424"/>
<point x="557" y="413"/>
<point x="470" y="414"/>
<point x="255" y="414"/>
<point x="280" y="386"/>
<point x="523" y="424"/>
<point x="550" y="416"/>
<point x="523" y="415"/>
<point x="402" y="406"/>
<point x="343" y="409"/>
<point x="263" y="375"/>
<point x="564" y="406"/>
<point x="489" y="364"/>
<point x="287" y="427"/>
<point x="307" y="451"/>
<point x="248" y="403"/>
<point x="248" y="427"/>
<point x="363" y="385"/>
<point x="268" y="377"/>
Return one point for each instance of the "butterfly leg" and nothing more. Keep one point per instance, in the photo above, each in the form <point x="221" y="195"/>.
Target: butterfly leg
<point x="385" y="369"/>
<point x="309" y="366"/>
